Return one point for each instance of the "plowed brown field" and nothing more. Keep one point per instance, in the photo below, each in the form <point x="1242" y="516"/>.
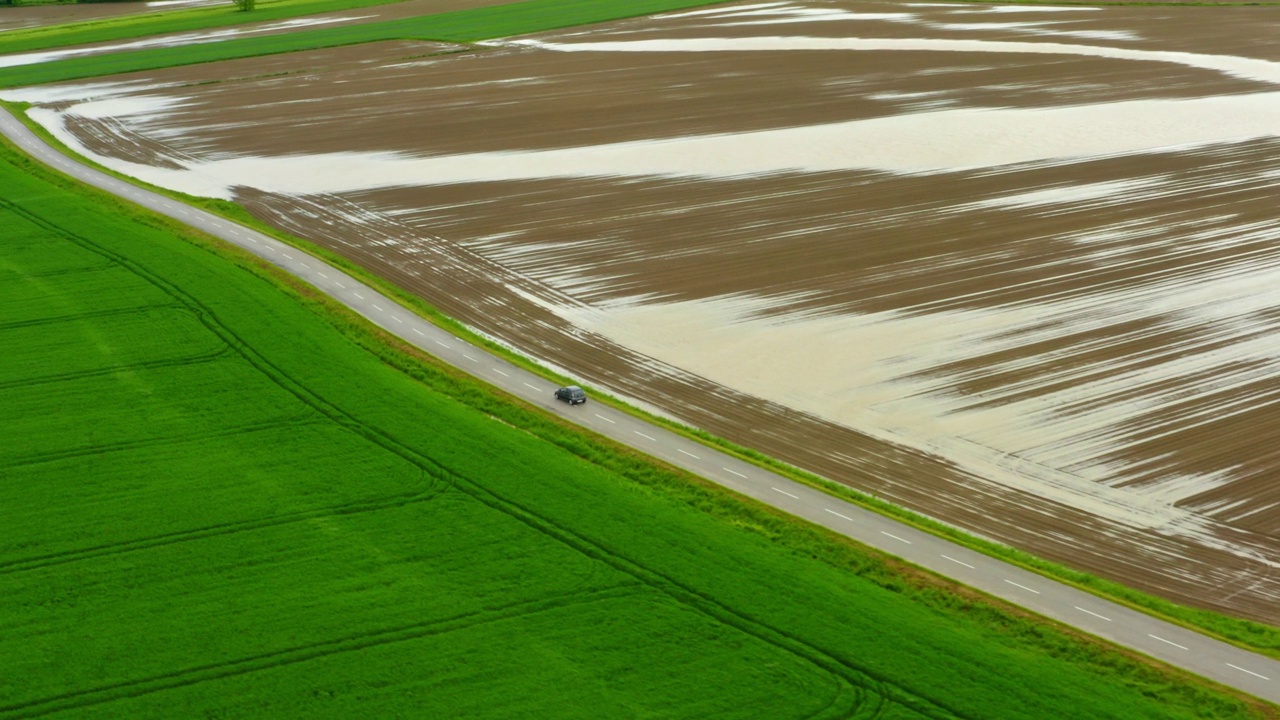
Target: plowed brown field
<point x="1017" y="268"/>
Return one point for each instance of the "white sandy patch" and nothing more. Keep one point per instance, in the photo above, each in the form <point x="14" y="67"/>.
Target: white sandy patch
<point x="990" y="25"/>
<point x="930" y="142"/>
<point x="1042" y="29"/>
<point x="730" y="11"/>
<point x="1234" y="66"/>
<point x="926" y="142"/>
<point x="1070" y="194"/>
<point x="1055" y="439"/>
<point x="134" y="106"/>
<point x="49" y="94"/>
<point x="1037" y="8"/>
<point x="822" y="17"/>
<point x="783" y="13"/>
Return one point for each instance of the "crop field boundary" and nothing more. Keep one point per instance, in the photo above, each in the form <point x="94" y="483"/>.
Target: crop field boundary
<point x="1254" y="636"/>
<point x="630" y="464"/>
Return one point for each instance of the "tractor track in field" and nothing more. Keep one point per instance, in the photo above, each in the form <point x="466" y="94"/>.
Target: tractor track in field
<point x="90" y="697"/>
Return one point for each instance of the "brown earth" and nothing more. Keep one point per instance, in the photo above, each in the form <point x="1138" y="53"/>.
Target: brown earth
<point x="1083" y="322"/>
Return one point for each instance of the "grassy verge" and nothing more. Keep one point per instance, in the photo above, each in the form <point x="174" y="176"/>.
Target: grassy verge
<point x="226" y="495"/>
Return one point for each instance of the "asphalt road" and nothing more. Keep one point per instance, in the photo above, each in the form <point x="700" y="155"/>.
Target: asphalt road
<point x="1227" y="664"/>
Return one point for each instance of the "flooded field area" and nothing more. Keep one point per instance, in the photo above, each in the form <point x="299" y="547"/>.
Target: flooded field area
<point x="1014" y="267"/>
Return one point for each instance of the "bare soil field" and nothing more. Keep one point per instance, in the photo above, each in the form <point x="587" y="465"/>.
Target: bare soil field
<point x="1014" y="267"/>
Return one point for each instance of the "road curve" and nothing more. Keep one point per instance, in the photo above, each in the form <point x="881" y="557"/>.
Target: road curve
<point x="1252" y="673"/>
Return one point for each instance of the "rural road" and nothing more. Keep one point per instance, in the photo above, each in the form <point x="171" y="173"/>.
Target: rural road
<point x="1222" y="662"/>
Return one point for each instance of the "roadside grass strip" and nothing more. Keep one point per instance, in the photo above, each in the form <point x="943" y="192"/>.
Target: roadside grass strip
<point x="291" y="515"/>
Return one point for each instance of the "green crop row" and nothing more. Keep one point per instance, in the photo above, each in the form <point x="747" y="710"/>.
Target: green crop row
<point x="281" y="513"/>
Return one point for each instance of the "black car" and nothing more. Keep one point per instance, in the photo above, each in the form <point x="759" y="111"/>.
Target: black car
<point x="571" y="394"/>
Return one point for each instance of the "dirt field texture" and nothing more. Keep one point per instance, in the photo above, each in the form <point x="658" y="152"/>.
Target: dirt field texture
<point x="1010" y="266"/>
<point x="198" y="519"/>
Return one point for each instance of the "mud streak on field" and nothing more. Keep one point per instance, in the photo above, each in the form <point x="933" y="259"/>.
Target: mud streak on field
<point x="1014" y="268"/>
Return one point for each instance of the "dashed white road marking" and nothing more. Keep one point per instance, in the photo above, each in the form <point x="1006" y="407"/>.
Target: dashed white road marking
<point x="419" y="332"/>
<point x="1024" y="587"/>
<point x="326" y="277"/>
<point x="1170" y="642"/>
<point x="287" y="256"/>
<point x="833" y="512"/>
<point x="784" y="492"/>
<point x="535" y="387"/>
<point x="393" y="317"/>
<point x="500" y="372"/>
<point x="358" y="295"/>
<point x="895" y="537"/>
<point x="344" y="287"/>
<point x="958" y="562"/>
<point x="686" y="452"/>
<point x="1237" y="667"/>
<point x="443" y="345"/>
<point x="1090" y="612"/>
<point x="376" y="307"/>
<point x="646" y="437"/>
<point x="744" y="477"/>
<point x="469" y="357"/>
<point x="604" y="418"/>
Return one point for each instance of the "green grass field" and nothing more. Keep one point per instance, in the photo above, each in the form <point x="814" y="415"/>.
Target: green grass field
<point x="221" y="497"/>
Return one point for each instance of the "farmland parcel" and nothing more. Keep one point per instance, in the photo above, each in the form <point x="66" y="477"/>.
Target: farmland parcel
<point x="217" y="501"/>
<point x="1009" y="266"/>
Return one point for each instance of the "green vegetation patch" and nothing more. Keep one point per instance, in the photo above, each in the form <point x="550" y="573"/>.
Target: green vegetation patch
<point x="461" y="26"/>
<point x="127" y="27"/>
<point x="260" y="508"/>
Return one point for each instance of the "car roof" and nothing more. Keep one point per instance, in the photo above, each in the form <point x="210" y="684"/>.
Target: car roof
<point x="570" y="387"/>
